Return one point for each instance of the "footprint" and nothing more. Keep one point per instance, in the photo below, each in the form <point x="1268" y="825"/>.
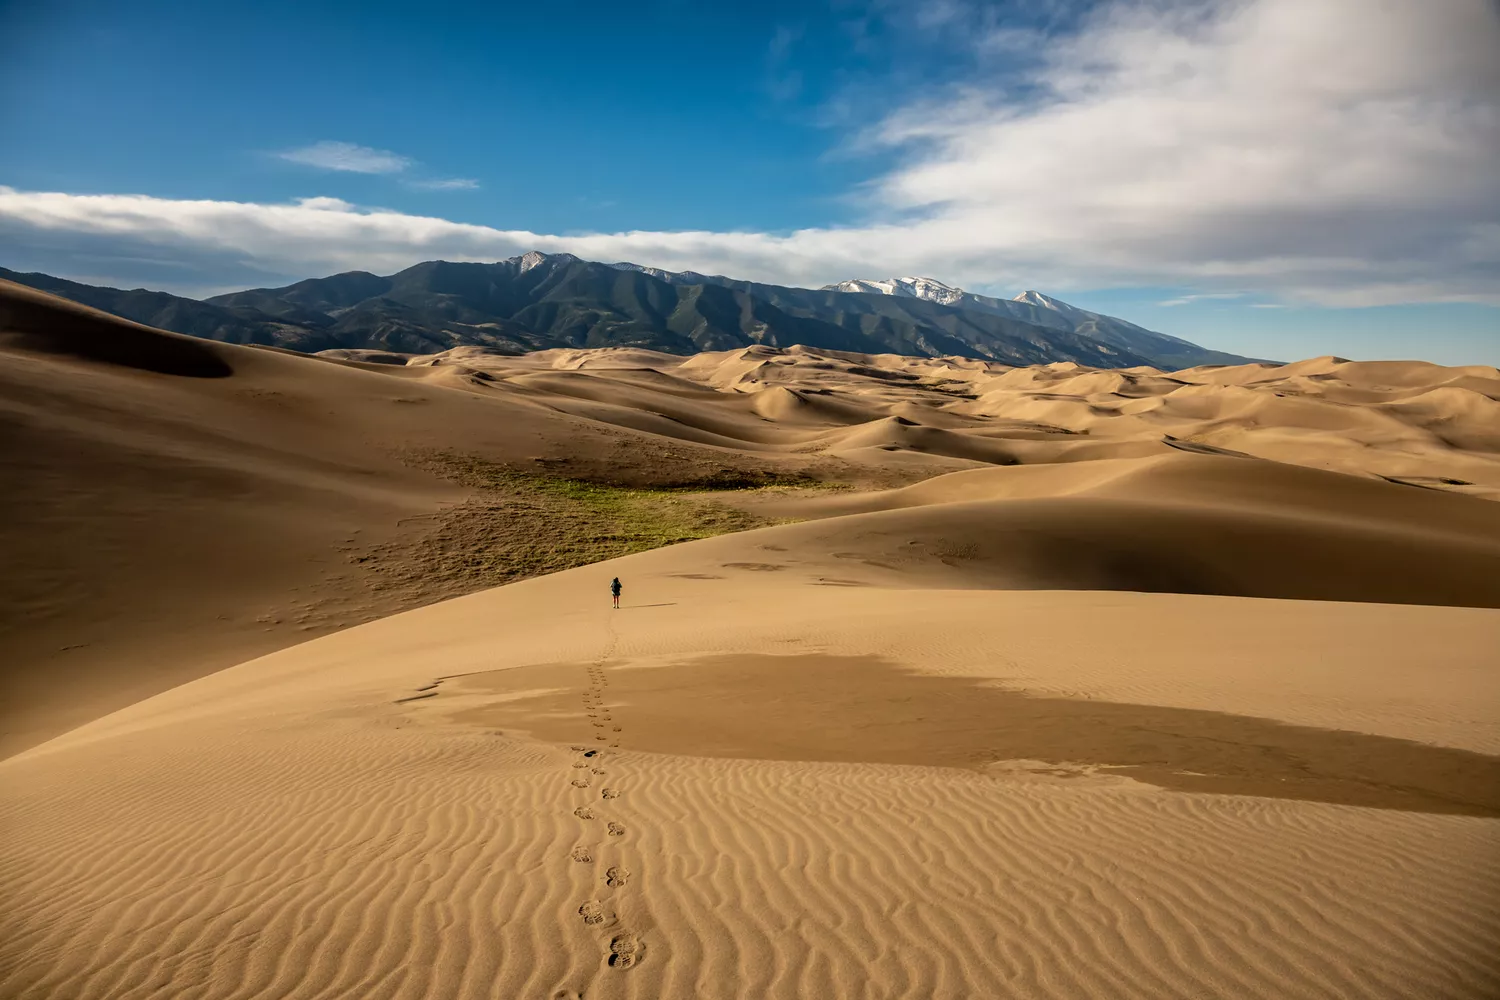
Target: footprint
<point x="617" y="729"/>
<point x="610" y="793"/>
<point x="583" y="812"/>
<point x="616" y="830"/>
<point x="591" y="912"/>
<point x="581" y="782"/>
<point x="578" y="749"/>
<point x="616" y="876"/>
<point x="580" y="763"/>
<point x="601" y="736"/>
<point x="626" y="950"/>
<point x="582" y="854"/>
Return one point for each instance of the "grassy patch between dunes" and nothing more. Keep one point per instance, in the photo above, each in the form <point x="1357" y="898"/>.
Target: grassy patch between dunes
<point x="521" y="524"/>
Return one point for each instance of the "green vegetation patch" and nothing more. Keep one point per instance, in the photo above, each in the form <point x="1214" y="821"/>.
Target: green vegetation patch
<point x="521" y="524"/>
<point x="469" y="470"/>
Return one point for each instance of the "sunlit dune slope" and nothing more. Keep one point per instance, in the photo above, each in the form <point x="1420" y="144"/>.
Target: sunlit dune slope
<point x="751" y="783"/>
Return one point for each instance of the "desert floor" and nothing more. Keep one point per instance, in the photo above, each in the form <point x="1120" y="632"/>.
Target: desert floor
<point x="1086" y="683"/>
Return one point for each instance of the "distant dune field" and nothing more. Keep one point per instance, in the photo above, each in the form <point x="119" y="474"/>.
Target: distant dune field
<point x="1084" y="683"/>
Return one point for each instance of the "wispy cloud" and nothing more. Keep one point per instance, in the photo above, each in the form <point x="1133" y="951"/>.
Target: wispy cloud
<point x="447" y="184"/>
<point x="1199" y="297"/>
<point x="782" y="82"/>
<point x="1335" y="152"/>
<point x="346" y="156"/>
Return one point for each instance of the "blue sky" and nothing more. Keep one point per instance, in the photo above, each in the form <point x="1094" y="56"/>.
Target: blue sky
<point x="1178" y="166"/>
<point x="571" y="117"/>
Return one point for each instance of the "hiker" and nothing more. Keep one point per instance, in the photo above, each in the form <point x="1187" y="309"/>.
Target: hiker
<point x="614" y="589"/>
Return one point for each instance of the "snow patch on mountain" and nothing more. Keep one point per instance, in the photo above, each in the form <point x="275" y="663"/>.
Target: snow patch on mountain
<point x="1043" y="313"/>
<point x="1033" y="298"/>
<point x="535" y="258"/>
<point x="1047" y="312"/>
<point x="912" y="288"/>
<point x="671" y="277"/>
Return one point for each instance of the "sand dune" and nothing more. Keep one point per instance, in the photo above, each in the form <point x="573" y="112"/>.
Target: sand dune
<point x="1410" y="422"/>
<point x="1114" y="684"/>
<point x="173" y="506"/>
<point x="1182" y="524"/>
<point x="795" y="797"/>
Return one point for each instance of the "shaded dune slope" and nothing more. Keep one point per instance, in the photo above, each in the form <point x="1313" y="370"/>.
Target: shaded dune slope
<point x="35" y="321"/>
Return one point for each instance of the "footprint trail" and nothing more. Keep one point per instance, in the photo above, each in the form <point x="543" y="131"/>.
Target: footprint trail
<point x="599" y="843"/>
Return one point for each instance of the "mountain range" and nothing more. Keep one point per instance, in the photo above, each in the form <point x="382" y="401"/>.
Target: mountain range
<point x="536" y="301"/>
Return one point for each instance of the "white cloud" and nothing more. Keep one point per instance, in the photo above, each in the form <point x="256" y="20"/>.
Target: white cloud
<point x="346" y="156"/>
<point x="1333" y="151"/>
<point x="1342" y="150"/>
<point x="325" y="204"/>
<point x="322" y="235"/>
<point x="448" y="184"/>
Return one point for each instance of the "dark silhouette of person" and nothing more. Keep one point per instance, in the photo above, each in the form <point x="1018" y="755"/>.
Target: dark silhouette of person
<point x="614" y="589"/>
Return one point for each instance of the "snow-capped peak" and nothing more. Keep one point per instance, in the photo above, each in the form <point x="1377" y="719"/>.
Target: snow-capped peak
<point x="532" y="258"/>
<point x="936" y="291"/>
<point x="1047" y="302"/>
<point x="913" y="288"/>
<point x="1037" y="299"/>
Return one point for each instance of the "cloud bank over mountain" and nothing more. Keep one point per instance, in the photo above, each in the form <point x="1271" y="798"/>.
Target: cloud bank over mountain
<point x="1340" y="153"/>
